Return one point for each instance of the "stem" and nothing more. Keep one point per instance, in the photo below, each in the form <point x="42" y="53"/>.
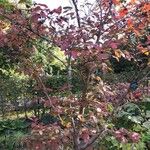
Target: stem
<point x="75" y="136"/>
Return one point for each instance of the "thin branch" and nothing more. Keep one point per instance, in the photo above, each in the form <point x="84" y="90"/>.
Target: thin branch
<point x="102" y="18"/>
<point x="45" y="91"/>
<point x="101" y="22"/>
<point x="77" y="13"/>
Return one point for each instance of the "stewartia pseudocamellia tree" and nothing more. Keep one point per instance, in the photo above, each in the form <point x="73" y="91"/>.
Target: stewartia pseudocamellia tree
<point x="89" y="35"/>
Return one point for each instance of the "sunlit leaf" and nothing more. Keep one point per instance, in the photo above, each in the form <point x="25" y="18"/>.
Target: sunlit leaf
<point x="129" y="23"/>
<point x="133" y="1"/>
<point x="119" y="53"/>
<point x="116" y="2"/>
<point x="123" y="12"/>
<point x="146" y="8"/>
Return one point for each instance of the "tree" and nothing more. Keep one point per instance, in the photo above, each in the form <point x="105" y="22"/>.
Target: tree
<point x="88" y="39"/>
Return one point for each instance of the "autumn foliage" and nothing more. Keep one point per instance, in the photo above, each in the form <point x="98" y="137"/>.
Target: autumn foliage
<point x="89" y="36"/>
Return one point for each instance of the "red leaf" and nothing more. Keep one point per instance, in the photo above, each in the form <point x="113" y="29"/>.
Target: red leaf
<point x="123" y="12"/>
<point x="133" y="1"/>
<point x="47" y="103"/>
<point x="136" y="32"/>
<point x="103" y="56"/>
<point x="35" y="17"/>
<point x="43" y="15"/>
<point x="58" y="10"/>
<point x="116" y="2"/>
<point x="113" y="45"/>
<point x="129" y="23"/>
<point x="85" y="135"/>
<point x="146" y="8"/>
<point x="74" y="54"/>
<point x="43" y="5"/>
<point x="135" y="137"/>
<point x="137" y="94"/>
<point x="36" y="9"/>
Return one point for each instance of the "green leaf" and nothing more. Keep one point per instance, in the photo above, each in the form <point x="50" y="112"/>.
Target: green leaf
<point x="146" y="137"/>
<point x="136" y="119"/>
<point x="110" y="107"/>
<point x="147" y="124"/>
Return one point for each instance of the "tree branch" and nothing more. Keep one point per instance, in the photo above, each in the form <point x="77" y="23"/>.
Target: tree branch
<point x="77" y="13"/>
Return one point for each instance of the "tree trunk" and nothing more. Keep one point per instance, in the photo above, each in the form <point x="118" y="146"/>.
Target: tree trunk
<point x="69" y="71"/>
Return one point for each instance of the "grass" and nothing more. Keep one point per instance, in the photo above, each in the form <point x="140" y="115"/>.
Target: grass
<point x="12" y="115"/>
